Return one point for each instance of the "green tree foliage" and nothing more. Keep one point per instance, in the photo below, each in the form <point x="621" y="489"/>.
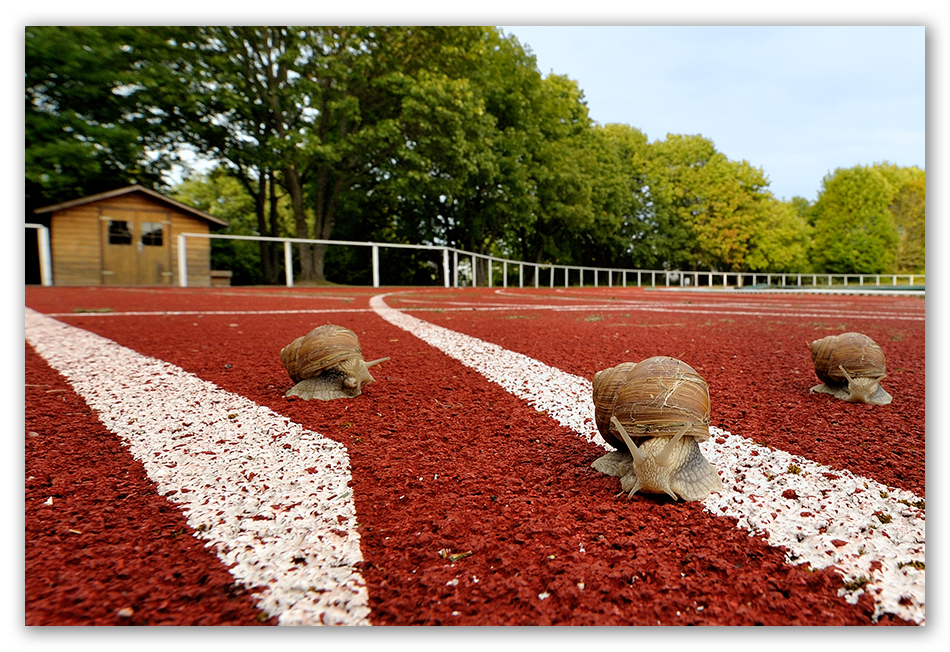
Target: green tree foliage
<point x="854" y="229"/>
<point x="632" y="152"/>
<point x="705" y="209"/>
<point x="781" y="240"/>
<point x="908" y="210"/>
<point x="85" y="131"/>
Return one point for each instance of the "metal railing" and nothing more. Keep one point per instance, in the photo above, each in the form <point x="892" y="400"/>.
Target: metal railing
<point x="593" y="275"/>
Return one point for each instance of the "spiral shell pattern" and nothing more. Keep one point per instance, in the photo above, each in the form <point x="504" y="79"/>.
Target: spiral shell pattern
<point x="655" y="397"/>
<point x="860" y="356"/>
<point x="321" y="349"/>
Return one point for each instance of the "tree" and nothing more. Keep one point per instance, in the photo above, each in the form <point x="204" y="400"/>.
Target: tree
<point x="705" y="208"/>
<point x="854" y="230"/>
<point x="908" y="210"/>
<point x="588" y="200"/>
<point x="565" y="155"/>
<point x="230" y="93"/>
<point x="462" y="172"/>
<point x="632" y="151"/>
<point x="86" y="132"/>
<point x="781" y="240"/>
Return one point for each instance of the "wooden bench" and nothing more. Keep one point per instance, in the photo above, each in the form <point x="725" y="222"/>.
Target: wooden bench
<point x="221" y="278"/>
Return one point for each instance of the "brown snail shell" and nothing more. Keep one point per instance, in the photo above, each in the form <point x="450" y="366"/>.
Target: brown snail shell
<point x="607" y="383"/>
<point x="655" y="413"/>
<point x="327" y="363"/>
<point x="851" y="367"/>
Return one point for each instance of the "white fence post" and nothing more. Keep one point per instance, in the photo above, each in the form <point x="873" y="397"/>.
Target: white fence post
<point x="288" y="264"/>
<point x="445" y="266"/>
<point x="455" y="268"/>
<point x="45" y="254"/>
<point x="182" y="262"/>
<point x="375" y="265"/>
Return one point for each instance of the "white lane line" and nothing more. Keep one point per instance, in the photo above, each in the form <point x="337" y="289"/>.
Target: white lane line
<point x="269" y="496"/>
<point x="659" y="307"/>
<point x="872" y="534"/>
<point x="180" y="313"/>
<point x="461" y="306"/>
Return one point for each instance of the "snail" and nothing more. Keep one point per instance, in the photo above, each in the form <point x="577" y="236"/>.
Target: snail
<point x="655" y="413"/>
<point x="327" y="363"/>
<point x="851" y="368"/>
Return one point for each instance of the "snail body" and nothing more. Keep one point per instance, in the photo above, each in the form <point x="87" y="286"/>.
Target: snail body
<point x="851" y="368"/>
<point x="655" y="413"/>
<point x="327" y="363"/>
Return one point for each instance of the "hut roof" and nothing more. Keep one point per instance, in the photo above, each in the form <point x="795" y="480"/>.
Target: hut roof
<point x="129" y="190"/>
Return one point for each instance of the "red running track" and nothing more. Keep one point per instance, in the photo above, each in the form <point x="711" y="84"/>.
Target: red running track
<point x="445" y="463"/>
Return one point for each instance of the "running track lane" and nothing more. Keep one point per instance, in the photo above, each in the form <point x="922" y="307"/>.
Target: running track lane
<point x="223" y="458"/>
<point x="821" y="516"/>
<point x="749" y="504"/>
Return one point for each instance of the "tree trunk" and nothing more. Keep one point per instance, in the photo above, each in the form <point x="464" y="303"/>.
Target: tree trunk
<point x="259" y="192"/>
<point x="294" y="186"/>
<point x="269" y="275"/>
<point x="272" y="251"/>
<point x="328" y="186"/>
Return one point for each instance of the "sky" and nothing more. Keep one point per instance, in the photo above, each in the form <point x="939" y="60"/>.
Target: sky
<point x="796" y="101"/>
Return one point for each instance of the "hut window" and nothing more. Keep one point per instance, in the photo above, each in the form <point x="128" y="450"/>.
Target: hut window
<point x="119" y="232"/>
<point x="152" y="234"/>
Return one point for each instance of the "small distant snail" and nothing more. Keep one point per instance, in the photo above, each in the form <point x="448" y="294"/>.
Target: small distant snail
<point x="655" y="413"/>
<point x="851" y="368"/>
<point x="327" y="363"/>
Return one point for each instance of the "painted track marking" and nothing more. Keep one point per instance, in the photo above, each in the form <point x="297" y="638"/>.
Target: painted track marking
<point x="678" y="308"/>
<point x="871" y="533"/>
<point x="223" y="458"/>
<point x="815" y="529"/>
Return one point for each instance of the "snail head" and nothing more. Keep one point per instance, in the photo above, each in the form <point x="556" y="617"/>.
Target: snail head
<point x="861" y="389"/>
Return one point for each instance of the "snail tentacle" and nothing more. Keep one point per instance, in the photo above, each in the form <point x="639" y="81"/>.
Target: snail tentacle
<point x="663" y="459"/>
<point x="638" y="456"/>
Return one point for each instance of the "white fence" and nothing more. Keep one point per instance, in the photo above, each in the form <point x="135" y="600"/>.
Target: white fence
<point x="594" y="276"/>
<point x="459" y="268"/>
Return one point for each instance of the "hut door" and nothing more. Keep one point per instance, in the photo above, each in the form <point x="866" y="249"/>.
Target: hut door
<point x="136" y="248"/>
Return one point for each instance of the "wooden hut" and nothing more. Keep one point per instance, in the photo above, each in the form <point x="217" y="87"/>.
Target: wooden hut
<point x="126" y="237"/>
